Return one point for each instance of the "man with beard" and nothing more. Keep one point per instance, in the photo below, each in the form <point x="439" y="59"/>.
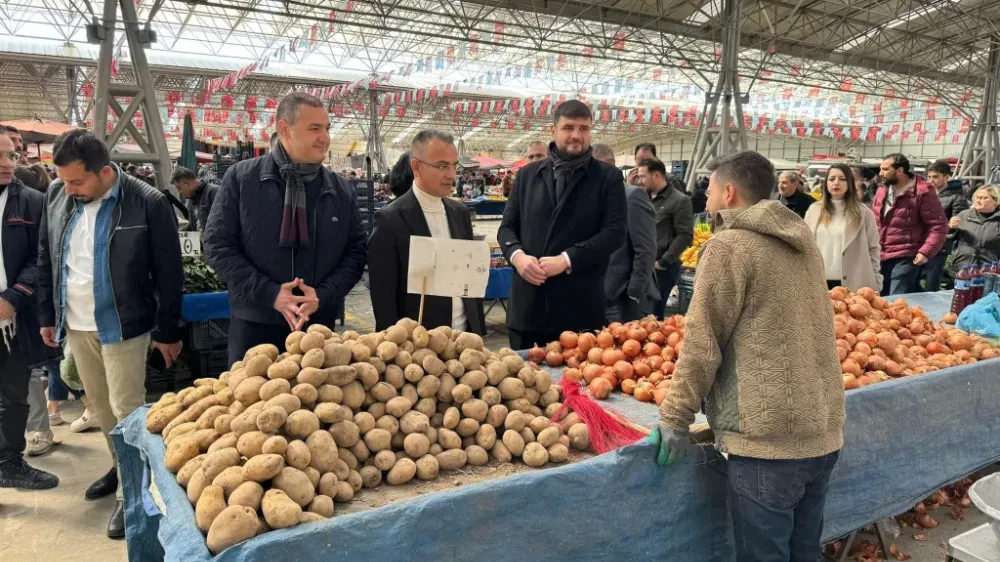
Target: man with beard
<point x="565" y="217"/>
<point x="19" y="148"/>
<point x="912" y="227"/>
<point x="109" y="281"/>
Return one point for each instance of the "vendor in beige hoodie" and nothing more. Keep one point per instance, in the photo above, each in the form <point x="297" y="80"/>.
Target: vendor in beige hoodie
<point x="759" y="350"/>
<point x="846" y="234"/>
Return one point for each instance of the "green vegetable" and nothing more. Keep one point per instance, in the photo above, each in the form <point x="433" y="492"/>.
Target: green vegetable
<point x="199" y="277"/>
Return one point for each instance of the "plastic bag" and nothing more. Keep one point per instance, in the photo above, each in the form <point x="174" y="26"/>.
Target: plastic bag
<point x="982" y="317"/>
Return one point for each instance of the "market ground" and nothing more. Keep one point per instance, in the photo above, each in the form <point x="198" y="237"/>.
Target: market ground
<point x="60" y="526"/>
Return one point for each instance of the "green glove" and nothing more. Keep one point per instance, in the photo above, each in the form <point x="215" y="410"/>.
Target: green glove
<point x="673" y="446"/>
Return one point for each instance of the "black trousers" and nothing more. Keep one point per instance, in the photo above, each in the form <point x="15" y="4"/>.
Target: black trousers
<point x="624" y="309"/>
<point x="526" y="340"/>
<point x="14" y="377"/>
<point x="244" y="334"/>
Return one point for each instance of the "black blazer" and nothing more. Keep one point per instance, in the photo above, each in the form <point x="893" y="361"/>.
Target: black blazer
<point x="389" y="258"/>
<point x="588" y="223"/>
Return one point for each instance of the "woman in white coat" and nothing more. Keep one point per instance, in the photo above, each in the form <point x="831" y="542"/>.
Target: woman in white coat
<point x="846" y="233"/>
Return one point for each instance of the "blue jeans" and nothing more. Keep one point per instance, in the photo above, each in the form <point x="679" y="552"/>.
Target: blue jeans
<point x="900" y="276"/>
<point x="57" y="388"/>
<point x="933" y="270"/>
<point x="666" y="279"/>
<point x="777" y="507"/>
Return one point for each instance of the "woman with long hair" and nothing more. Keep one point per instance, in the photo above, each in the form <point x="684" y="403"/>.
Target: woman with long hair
<point x="846" y="233"/>
<point x="401" y="176"/>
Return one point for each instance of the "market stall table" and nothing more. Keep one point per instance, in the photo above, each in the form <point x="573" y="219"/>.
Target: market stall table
<point x="888" y="463"/>
<point x="490" y="208"/>
<point x="498" y="287"/>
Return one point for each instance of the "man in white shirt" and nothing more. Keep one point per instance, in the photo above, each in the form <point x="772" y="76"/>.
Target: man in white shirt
<point x="425" y="210"/>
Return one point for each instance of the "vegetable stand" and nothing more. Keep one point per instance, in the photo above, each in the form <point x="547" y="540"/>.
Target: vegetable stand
<point x="888" y="463"/>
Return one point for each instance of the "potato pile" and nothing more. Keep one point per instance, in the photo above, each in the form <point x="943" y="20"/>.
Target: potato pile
<point x="281" y="437"/>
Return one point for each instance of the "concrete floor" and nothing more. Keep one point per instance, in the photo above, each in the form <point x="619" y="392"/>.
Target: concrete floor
<point x="59" y="525"/>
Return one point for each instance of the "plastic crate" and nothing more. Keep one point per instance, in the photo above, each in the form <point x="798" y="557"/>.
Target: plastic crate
<point x="208" y="334"/>
<point x="364" y="194"/>
<point x="209" y="364"/>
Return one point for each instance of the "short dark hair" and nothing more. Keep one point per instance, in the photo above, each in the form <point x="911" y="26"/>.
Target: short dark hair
<point x="181" y="173"/>
<point x="654" y="166"/>
<point x="33" y="176"/>
<point x="79" y="145"/>
<point x="425" y="136"/>
<point x="10" y="129"/>
<point x="288" y="107"/>
<point x="900" y="161"/>
<point x="749" y="171"/>
<point x="401" y="176"/>
<point x="647" y="145"/>
<point x="940" y="166"/>
<point x="572" y="109"/>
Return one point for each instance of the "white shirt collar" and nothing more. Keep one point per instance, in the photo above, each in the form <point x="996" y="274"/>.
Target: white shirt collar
<point x="427" y="201"/>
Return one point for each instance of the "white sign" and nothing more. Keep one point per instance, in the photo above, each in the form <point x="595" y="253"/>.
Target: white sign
<point x="452" y="268"/>
<point x="190" y="243"/>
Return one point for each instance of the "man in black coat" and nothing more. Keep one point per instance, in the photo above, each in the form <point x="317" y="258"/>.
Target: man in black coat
<point x="21" y="344"/>
<point x="565" y="217"/>
<point x="424" y="210"/>
<point x="285" y="233"/>
<point x="791" y="195"/>
<point x="953" y="202"/>
<point x="200" y="195"/>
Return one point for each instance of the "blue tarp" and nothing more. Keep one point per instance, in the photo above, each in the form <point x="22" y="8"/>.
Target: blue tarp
<point x="903" y="439"/>
<point x="488" y="207"/>
<point x="205" y="306"/>
<point x="498" y="286"/>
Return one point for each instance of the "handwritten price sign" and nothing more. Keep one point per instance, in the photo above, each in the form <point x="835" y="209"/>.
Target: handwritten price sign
<point x="190" y="244"/>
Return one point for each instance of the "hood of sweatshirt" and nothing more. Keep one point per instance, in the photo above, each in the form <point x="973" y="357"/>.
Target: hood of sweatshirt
<point x="770" y="218"/>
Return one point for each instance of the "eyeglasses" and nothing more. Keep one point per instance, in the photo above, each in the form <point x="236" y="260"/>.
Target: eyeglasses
<point x="12" y="156"/>
<point x="443" y="167"/>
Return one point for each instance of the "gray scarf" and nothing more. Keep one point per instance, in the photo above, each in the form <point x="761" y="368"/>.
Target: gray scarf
<point x="294" y="223"/>
<point x="563" y="166"/>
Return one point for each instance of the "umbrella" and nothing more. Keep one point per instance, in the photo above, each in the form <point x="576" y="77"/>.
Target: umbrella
<point x="488" y="163"/>
<point x="467" y="164"/>
<point x="187" y="158"/>
<point x="518" y="164"/>
<point x="39" y="130"/>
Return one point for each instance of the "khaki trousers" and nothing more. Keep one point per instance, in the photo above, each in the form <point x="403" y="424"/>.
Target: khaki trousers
<point x="113" y="376"/>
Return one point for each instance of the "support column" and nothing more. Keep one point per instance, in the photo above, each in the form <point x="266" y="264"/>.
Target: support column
<point x="153" y="142"/>
<point x="375" y="149"/>
<point x="723" y="102"/>
<point x="72" y="111"/>
<point x="981" y="151"/>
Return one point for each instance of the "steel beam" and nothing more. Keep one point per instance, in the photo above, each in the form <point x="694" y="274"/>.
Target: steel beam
<point x="981" y="151"/>
<point x="375" y="150"/>
<point x="723" y="102"/>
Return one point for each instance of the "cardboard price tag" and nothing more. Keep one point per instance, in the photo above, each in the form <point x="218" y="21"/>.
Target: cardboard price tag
<point x="451" y="268"/>
<point x="190" y="243"/>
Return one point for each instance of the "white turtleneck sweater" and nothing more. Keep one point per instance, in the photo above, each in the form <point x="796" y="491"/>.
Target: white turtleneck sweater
<point x="830" y="239"/>
<point x="437" y="223"/>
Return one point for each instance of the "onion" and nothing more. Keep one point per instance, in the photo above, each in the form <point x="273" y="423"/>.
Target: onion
<point x="573" y="374"/>
<point x="600" y="388"/>
<point x="586" y="342"/>
<point x="536" y="354"/>
<point x="605" y="340"/>
<point x="631" y="348"/>
<point x="553" y="359"/>
<point x="960" y="342"/>
<point x="623" y="370"/>
<point x="568" y="340"/>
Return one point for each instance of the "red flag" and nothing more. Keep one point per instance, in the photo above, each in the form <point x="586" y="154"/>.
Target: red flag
<point x="846" y="84"/>
<point x="333" y="19"/>
<point x="619" y="42"/>
<point x="498" y="28"/>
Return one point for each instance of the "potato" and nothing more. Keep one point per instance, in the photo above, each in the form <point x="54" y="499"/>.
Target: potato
<point x="327" y="412"/>
<point x="461" y="392"/>
<point x="327" y="332"/>
<point x="538" y="424"/>
<point x="397" y="442"/>
<point x="360" y="451"/>
<point x="413" y="372"/>
<point x="475" y="409"/>
<point x="398" y="406"/>
<point x="486" y="436"/>
<point x="344" y="492"/>
<point x="451" y="459"/>
<point x="467" y="427"/>
<point x="579" y="436"/>
<point x="248" y="392"/>
<point x="416" y="445"/>
<point x="225" y="397"/>
<point x="468" y="441"/>
<point x="221" y="423"/>
<point x="345" y="433"/>
<point x="247" y="494"/>
<point x="420" y="337"/>
<point x="377" y="410"/>
<point x="377" y="439"/>
<point x="179" y="431"/>
<point x="515" y="420"/>
<point x="310" y="517"/>
<point x="514" y="442"/>
<point x="531" y="395"/>
<point x="267" y="350"/>
<point x="388" y="423"/>
<point x="233" y="525"/>
<point x="251" y="444"/>
<point x="527" y="435"/>
<point x="543" y="381"/>
<point x="205" y="438"/>
<point x="195" y="485"/>
<point x="436" y="449"/>
<point x="187" y="471"/>
<point x="364" y="421"/>
<point x="409" y="391"/>
<point x="514" y="363"/>
<point x="548" y="436"/>
<point x="285" y="369"/>
<point x="387" y="351"/>
<point x="293" y="340"/>
<point x="470" y="360"/>
<point x="476" y="455"/>
<point x="328" y="484"/>
<point x="383" y="392"/>
<point x="336" y="355"/>
<point x="301" y="424"/>
<point x="379" y="365"/>
<point x="535" y="455"/>
<point x="490" y="396"/>
<point x="396" y="335"/>
<point x="447" y="385"/>
<point x="295" y="484"/>
<point x="428" y="386"/>
<point x="323" y="505"/>
<point x="313" y="359"/>
<point x="564" y="440"/>
<point x="511" y="388"/>
<point x="557" y="452"/>
<point x="354" y="395"/>
<point x="157" y="420"/>
<point x="448" y="439"/>
<point x="475" y="380"/>
<point x="236" y="408"/>
<point x="437" y="340"/>
<point x="496" y="372"/>
<point x="350" y="335"/>
<point x="235" y="378"/>
<point x="360" y="352"/>
<point x="497" y="415"/>
<point x="218" y="461"/>
<point x="310" y="341"/>
<point x="414" y="422"/>
<point x="322" y="451"/>
<point x="271" y="419"/>
<point x="297" y="455"/>
<point x="354" y="479"/>
<point x="367" y="374"/>
<point x="263" y="467"/>
<point x="166" y="399"/>
<point x="469" y="340"/>
<point x="371" y="477"/>
<point x="402" y="472"/>
<point x="279" y="510"/>
<point x="313" y="376"/>
<point x="209" y="506"/>
<point x="384" y="460"/>
<point x="180" y="452"/>
<point x="195" y="395"/>
<point x="245" y="422"/>
<point x="329" y="393"/>
<point x="228" y="479"/>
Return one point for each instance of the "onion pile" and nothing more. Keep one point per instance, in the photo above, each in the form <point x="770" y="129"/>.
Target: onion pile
<point x="636" y="357"/>
<point x="878" y="340"/>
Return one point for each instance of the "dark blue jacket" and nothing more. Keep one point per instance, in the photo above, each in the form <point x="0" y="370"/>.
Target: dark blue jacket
<point x="241" y="242"/>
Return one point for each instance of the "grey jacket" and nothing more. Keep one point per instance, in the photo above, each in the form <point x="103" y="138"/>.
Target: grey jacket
<point x="674" y="225"/>
<point x="630" y="270"/>
<point x="200" y="206"/>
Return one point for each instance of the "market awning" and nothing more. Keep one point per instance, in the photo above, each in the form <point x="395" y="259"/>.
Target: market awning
<point x="39" y="130"/>
<point x="468" y="164"/>
<point x="202" y="157"/>
<point x="518" y="164"/>
<point x="488" y="163"/>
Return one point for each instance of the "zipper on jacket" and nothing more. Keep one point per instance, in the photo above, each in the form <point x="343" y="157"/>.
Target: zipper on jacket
<point x="313" y="235"/>
<point x="61" y="317"/>
<point x="111" y="279"/>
